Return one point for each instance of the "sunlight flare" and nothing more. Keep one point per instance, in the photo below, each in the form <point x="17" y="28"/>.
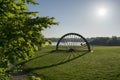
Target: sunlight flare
<point x="102" y="12"/>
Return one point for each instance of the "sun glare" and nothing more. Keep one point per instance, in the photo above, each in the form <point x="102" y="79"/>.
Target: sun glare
<point x="102" y="12"/>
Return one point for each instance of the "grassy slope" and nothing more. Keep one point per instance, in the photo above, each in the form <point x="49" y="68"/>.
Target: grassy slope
<point x="102" y="64"/>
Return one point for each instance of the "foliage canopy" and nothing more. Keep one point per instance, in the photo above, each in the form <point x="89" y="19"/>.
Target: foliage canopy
<point x="20" y="33"/>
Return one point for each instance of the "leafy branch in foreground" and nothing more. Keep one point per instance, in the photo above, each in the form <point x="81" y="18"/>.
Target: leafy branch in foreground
<point x="20" y="34"/>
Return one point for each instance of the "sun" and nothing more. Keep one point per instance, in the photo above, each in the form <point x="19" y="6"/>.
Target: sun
<point x="102" y="11"/>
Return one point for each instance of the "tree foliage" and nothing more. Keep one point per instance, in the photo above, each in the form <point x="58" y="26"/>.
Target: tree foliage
<point x="105" y="41"/>
<point x="20" y="33"/>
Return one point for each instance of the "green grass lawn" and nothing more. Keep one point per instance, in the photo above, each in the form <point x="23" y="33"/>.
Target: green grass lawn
<point x="101" y="64"/>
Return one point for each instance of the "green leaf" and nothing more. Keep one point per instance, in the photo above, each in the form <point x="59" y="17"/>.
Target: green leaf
<point x="30" y="32"/>
<point x="2" y="70"/>
<point x="31" y="52"/>
<point x="21" y="39"/>
<point x="24" y="6"/>
<point x="34" y="14"/>
<point x="35" y="47"/>
<point x="19" y="1"/>
<point x="43" y="45"/>
<point x="49" y="42"/>
<point x="16" y="7"/>
<point x="37" y="78"/>
<point x="11" y="15"/>
<point x="25" y="56"/>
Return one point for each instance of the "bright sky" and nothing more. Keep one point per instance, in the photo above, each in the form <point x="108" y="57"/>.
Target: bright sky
<point x="90" y="18"/>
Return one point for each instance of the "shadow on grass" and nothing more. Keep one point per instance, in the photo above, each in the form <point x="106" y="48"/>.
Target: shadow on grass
<point x="56" y="64"/>
<point x="22" y="63"/>
<point x="28" y="70"/>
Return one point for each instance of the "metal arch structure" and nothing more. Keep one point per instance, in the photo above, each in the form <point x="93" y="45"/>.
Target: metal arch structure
<point x="73" y="34"/>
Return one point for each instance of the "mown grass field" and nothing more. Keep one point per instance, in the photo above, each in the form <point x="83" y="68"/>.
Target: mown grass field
<point x="101" y="64"/>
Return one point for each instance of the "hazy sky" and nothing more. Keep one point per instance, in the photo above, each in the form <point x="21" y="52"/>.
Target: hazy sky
<point x="89" y="18"/>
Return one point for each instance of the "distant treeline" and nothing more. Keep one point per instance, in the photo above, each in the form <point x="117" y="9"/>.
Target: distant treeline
<point x="105" y="41"/>
<point x="102" y="41"/>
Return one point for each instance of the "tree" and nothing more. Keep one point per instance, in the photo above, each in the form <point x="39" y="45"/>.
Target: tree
<point x="99" y="41"/>
<point x="20" y="33"/>
<point x="113" y="41"/>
